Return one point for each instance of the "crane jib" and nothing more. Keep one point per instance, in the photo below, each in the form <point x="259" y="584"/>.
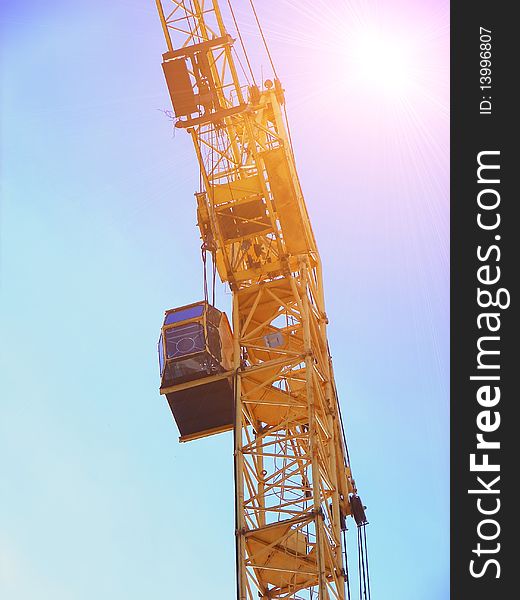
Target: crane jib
<point x="268" y="376"/>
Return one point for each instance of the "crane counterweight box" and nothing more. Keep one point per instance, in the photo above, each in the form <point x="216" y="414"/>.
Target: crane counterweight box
<point x="195" y="360"/>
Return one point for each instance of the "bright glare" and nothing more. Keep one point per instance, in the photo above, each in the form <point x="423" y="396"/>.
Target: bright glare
<point x="380" y="63"/>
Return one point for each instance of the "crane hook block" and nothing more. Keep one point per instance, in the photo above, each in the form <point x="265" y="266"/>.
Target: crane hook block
<point x="195" y="360"/>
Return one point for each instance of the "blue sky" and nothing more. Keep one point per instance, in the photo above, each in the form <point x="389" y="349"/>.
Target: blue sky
<point x="98" y="238"/>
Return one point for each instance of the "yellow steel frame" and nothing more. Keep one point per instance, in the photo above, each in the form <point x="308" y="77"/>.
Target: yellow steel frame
<point x="291" y="470"/>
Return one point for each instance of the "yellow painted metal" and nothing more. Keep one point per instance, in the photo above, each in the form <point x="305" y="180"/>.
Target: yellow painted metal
<point x="292" y="474"/>
<point x="194" y="383"/>
<point x="202" y="434"/>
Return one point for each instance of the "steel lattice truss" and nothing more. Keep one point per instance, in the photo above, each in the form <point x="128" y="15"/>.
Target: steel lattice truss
<point x="292" y="475"/>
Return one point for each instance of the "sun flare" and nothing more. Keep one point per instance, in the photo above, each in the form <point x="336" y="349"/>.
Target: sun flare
<point x="380" y="62"/>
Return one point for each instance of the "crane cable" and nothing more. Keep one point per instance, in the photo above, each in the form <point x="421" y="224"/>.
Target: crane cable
<point x="345" y="553"/>
<point x="208" y="242"/>
<point x="266" y="46"/>
<point x="364" y="577"/>
<point x="241" y="42"/>
<point x="263" y="38"/>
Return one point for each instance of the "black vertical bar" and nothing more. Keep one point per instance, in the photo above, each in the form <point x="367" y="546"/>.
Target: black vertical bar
<point x="482" y="124"/>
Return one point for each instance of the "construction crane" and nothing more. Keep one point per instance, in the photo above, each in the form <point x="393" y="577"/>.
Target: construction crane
<point x="269" y="377"/>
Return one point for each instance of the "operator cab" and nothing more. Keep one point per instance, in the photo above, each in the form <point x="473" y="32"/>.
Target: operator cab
<point x="195" y="361"/>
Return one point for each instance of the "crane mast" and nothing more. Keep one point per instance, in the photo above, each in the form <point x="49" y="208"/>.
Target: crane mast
<point x="293" y="483"/>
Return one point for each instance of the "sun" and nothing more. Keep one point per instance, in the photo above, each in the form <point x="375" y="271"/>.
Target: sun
<point x="379" y="62"/>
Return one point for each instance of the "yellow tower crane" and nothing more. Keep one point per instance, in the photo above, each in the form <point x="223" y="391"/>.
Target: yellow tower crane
<point x="268" y="378"/>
